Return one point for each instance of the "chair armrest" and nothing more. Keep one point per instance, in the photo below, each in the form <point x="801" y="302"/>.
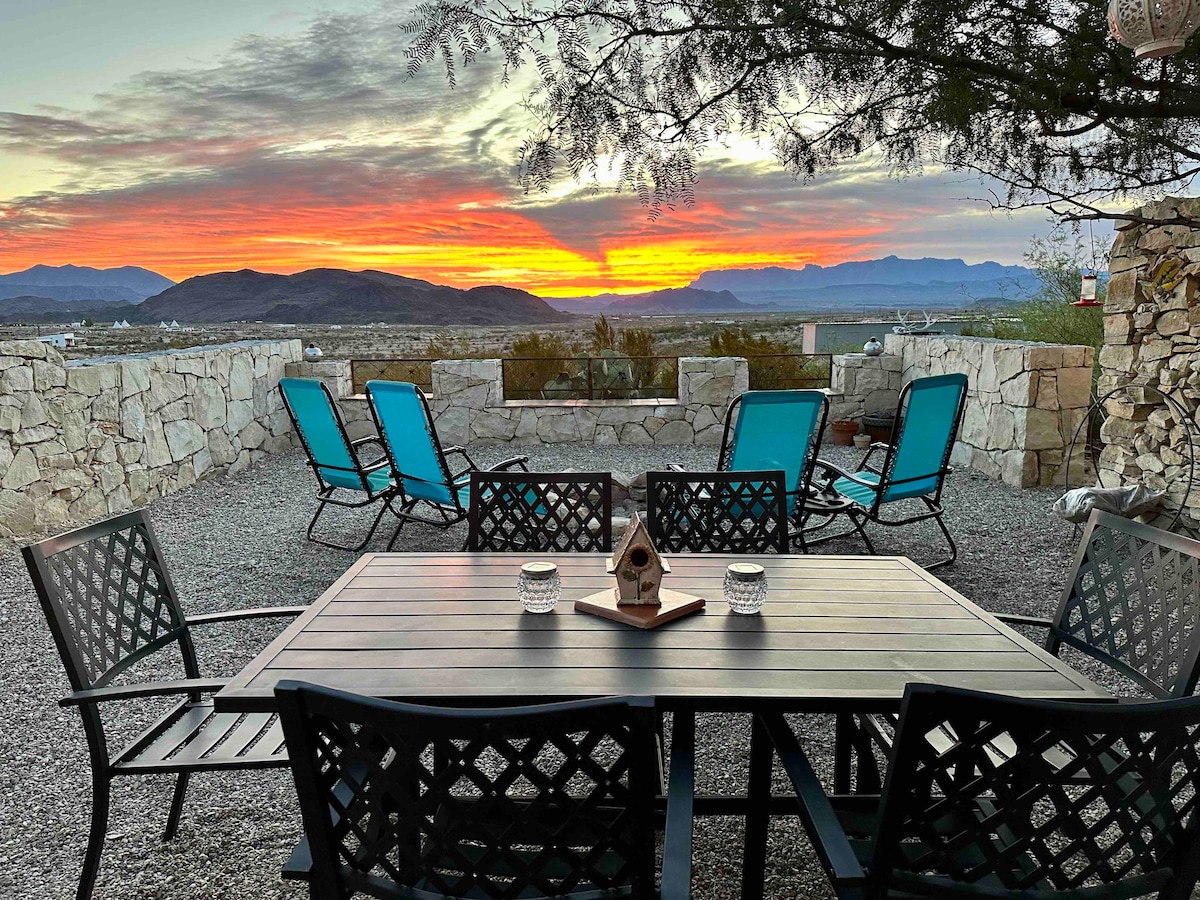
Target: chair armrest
<point x="681" y="783"/>
<point x="816" y="812"/>
<point x="145" y="689"/>
<point x="865" y="465"/>
<point x="369" y="439"/>
<point x="237" y="615"/>
<point x="1031" y="621"/>
<point x="516" y="462"/>
<point x="839" y="472"/>
<point x="676" y="467"/>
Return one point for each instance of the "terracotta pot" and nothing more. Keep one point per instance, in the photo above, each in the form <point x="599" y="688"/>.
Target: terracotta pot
<point x="843" y="433"/>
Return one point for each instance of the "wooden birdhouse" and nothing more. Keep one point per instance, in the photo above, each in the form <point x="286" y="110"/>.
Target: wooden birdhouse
<point x="637" y="566"/>
<point x="639" y="598"/>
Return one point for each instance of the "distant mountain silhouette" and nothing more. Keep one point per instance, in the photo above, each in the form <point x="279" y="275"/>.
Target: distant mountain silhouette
<point x="666" y="301"/>
<point x="335" y="295"/>
<point x="127" y="284"/>
<point x="875" y="282"/>
<point x="889" y="270"/>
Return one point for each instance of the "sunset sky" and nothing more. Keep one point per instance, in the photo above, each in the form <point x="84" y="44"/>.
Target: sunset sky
<point x="192" y="137"/>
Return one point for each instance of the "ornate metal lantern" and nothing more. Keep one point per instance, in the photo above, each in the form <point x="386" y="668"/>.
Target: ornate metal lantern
<point x="1153" y="28"/>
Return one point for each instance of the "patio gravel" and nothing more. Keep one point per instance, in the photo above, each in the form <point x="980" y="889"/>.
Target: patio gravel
<point x="239" y="541"/>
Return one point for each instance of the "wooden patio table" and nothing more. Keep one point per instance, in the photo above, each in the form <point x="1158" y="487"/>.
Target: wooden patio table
<point x="837" y="634"/>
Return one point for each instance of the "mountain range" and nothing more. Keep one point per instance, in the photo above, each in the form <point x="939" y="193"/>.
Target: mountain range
<point x="66" y="293"/>
<point x="335" y="295"/>
<point x="874" y="283"/>
<point x="127" y="284"/>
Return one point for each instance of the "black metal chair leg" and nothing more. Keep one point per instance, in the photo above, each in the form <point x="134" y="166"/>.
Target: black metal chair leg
<point x="843" y="745"/>
<point x="754" y="858"/>
<point x="181" y="783"/>
<point x="91" y="858"/>
<point x="862" y="531"/>
<point x="322" y="503"/>
<point x="945" y="533"/>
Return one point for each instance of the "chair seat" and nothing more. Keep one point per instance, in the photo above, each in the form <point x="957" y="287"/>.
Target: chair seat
<point x="859" y="817"/>
<point x="192" y="737"/>
<point x="859" y="493"/>
<point x="379" y="480"/>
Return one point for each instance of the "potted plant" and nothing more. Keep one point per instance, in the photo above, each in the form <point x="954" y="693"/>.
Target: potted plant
<point x="843" y="433"/>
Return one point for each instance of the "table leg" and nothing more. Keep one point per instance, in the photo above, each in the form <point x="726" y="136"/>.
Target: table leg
<point x="754" y="859"/>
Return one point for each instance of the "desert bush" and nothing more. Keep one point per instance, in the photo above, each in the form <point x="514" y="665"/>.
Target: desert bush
<point x="773" y="364"/>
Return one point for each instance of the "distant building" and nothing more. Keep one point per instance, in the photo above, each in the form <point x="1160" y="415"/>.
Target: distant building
<point x="844" y="337"/>
<point x="62" y="341"/>
<point x="124" y="323"/>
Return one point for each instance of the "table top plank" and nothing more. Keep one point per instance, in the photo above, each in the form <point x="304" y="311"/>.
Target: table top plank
<point x="835" y="631"/>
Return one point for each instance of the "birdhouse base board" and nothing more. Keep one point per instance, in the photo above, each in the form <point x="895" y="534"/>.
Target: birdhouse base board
<point x="672" y="605"/>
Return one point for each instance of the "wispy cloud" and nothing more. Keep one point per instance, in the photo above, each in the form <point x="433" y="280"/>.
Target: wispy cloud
<point x="317" y="149"/>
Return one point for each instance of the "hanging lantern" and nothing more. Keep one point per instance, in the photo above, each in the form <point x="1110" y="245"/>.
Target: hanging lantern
<point x="1087" y="291"/>
<point x="1153" y="28"/>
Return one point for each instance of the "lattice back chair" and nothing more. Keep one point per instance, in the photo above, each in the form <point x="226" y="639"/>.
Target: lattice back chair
<point x="413" y="801"/>
<point x="1131" y="603"/>
<point x="717" y="512"/>
<point x="110" y="603"/>
<point x="767" y="430"/>
<point x="405" y="424"/>
<point x="1114" y="817"/>
<point x="518" y="511"/>
<point x="914" y="466"/>
<point x="333" y="457"/>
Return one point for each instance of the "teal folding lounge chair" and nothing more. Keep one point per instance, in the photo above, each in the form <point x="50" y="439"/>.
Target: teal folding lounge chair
<point x="333" y="457"/>
<point x="914" y="465"/>
<point x="779" y="430"/>
<point x="410" y="440"/>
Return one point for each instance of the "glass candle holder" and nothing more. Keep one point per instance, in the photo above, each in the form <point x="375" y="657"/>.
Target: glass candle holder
<point x="538" y="586"/>
<point x="745" y="587"/>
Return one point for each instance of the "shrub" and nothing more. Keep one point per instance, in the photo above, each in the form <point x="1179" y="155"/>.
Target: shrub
<point x="773" y="365"/>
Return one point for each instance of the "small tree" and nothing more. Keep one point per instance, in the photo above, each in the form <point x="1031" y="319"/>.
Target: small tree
<point x="773" y="364"/>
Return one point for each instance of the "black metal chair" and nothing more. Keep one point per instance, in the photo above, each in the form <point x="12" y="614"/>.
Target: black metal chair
<point x="333" y="457"/>
<point x="717" y="512"/>
<point x="420" y="802"/>
<point x="110" y="603"/>
<point x="956" y="821"/>
<point x="516" y="511"/>
<point x="1132" y="604"/>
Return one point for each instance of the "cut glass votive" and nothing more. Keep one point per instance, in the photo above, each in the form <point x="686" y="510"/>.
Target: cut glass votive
<point x="539" y="587"/>
<point x="745" y="587"/>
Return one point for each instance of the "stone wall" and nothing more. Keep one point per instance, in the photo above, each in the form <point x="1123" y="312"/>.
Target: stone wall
<point x="861" y="385"/>
<point x="469" y="408"/>
<point x="1152" y="346"/>
<point x="90" y="438"/>
<point x="1024" y="402"/>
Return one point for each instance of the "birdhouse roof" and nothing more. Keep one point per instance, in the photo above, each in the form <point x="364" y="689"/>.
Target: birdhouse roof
<point x="636" y="535"/>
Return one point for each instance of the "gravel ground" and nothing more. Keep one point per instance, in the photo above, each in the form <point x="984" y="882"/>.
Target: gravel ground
<point x="234" y="542"/>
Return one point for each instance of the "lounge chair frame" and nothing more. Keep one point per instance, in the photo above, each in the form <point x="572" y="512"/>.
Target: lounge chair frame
<point x="444" y="514"/>
<point x="327" y="494"/>
<point x="859" y="514"/>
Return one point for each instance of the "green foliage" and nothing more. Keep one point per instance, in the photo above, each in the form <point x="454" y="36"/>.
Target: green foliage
<point x="773" y="365"/>
<point x="1035" y="94"/>
<point x="604" y="336"/>
<point x="452" y="347"/>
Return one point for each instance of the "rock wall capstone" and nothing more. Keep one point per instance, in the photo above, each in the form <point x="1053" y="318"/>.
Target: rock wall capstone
<point x="468" y="406"/>
<point x="89" y="438"/>
<point x="1152" y="348"/>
